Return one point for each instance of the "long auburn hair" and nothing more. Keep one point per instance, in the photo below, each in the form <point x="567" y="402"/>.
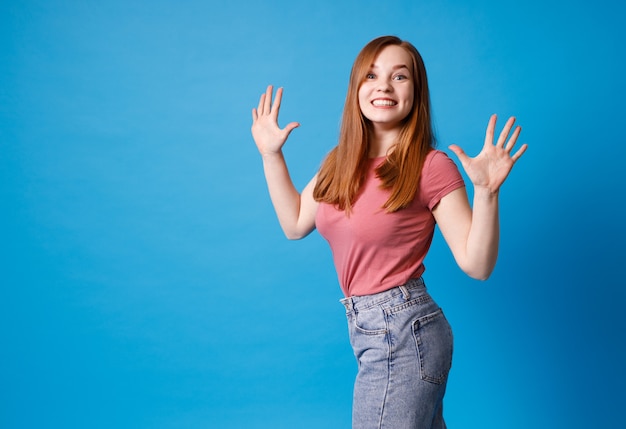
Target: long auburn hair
<point x="344" y="169"/>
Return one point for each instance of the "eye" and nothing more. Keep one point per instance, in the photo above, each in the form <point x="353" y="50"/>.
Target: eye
<point x="400" y="77"/>
<point x="370" y="76"/>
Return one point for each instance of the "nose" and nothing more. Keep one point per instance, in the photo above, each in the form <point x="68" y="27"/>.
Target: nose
<point x="384" y="86"/>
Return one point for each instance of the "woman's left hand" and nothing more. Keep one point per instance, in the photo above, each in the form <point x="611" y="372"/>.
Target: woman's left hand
<point x="493" y="164"/>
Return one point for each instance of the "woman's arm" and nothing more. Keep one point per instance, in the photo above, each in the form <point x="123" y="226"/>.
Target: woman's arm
<point x="473" y="235"/>
<point x="296" y="213"/>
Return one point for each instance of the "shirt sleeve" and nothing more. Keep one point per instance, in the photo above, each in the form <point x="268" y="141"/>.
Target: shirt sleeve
<point x="440" y="176"/>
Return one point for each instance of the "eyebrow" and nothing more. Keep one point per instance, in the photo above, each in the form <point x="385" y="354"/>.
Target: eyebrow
<point x="396" y="67"/>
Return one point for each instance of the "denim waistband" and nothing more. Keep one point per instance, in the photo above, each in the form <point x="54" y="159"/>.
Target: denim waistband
<point x="412" y="288"/>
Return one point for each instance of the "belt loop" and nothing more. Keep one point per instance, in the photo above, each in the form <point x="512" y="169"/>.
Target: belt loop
<point x="405" y="293"/>
<point x="349" y="304"/>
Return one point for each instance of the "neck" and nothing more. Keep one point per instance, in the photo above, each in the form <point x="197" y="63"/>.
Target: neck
<point x="381" y="141"/>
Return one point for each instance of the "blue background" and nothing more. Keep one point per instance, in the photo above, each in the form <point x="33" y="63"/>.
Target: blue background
<point x="145" y="280"/>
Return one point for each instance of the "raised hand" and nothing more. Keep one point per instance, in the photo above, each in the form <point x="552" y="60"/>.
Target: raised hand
<point x="268" y="136"/>
<point x="492" y="165"/>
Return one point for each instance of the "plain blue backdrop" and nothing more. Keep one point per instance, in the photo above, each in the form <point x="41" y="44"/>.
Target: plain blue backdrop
<point x="145" y="282"/>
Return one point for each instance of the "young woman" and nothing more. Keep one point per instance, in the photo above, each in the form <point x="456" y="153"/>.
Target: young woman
<point x="376" y="199"/>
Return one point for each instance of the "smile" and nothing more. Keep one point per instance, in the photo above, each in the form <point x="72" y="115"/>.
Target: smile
<point x="385" y="102"/>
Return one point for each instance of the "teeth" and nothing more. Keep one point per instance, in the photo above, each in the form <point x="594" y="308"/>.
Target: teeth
<point x="384" y="103"/>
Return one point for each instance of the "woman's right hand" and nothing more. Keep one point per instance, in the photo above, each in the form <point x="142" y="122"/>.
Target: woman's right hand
<point x="268" y="136"/>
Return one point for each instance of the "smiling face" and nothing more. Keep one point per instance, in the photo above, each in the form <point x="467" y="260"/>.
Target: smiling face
<point x="386" y="95"/>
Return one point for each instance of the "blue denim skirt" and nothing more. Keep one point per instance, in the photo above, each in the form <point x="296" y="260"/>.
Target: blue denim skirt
<point x="403" y="346"/>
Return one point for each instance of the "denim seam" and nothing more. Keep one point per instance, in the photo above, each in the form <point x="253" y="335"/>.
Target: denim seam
<point x="391" y="294"/>
<point x="378" y="301"/>
<point x="422" y="299"/>
<point x="389" y="358"/>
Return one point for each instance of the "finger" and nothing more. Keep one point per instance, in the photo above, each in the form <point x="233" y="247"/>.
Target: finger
<point x="460" y="154"/>
<point x="490" y="130"/>
<point x="255" y="115"/>
<point x="505" y="131"/>
<point x="513" y="139"/>
<point x="261" y="105"/>
<point x="519" y="152"/>
<point x="290" y="127"/>
<point x="268" y="100"/>
<point x="277" y="100"/>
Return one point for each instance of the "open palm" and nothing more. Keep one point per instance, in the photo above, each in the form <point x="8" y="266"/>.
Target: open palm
<point x="268" y="136"/>
<point x="490" y="168"/>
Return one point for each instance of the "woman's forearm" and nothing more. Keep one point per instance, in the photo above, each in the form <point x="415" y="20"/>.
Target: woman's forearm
<point x="285" y="197"/>
<point x="484" y="235"/>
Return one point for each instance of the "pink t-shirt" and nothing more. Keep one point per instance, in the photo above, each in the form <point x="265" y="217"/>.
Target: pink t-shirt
<point x="374" y="250"/>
